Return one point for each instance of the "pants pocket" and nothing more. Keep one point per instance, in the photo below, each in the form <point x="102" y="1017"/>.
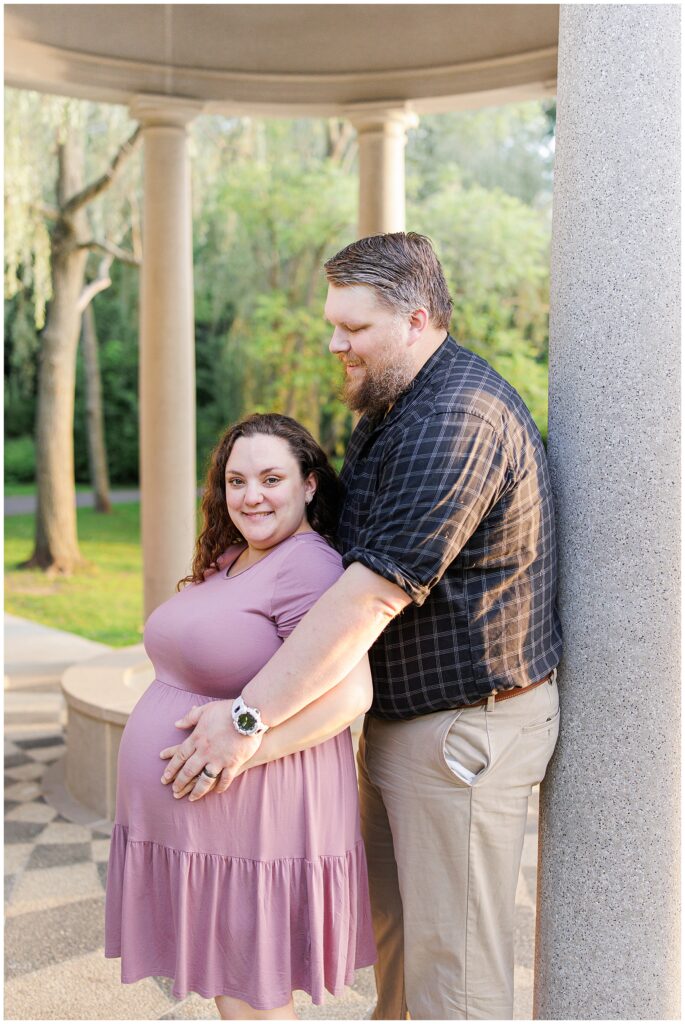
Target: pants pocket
<point x="547" y="720"/>
<point x="547" y="724"/>
<point x="465" y="746"/>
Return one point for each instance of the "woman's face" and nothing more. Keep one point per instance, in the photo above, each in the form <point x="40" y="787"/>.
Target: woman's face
<point x="265" y="493"/>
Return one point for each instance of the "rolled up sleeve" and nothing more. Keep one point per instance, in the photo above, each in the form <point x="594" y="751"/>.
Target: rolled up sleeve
<point x="438" y="481"/>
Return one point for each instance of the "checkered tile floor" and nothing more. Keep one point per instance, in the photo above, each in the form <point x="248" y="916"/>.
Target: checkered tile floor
<point x="37" y="838"/>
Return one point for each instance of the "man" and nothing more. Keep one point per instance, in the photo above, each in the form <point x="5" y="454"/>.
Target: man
<point x="447" y="536"/>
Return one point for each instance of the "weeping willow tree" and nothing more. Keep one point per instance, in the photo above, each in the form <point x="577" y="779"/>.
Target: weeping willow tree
<point x="53" y="225"/>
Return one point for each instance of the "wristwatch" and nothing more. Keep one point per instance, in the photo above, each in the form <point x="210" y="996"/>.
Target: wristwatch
<point x="247" y="721"/>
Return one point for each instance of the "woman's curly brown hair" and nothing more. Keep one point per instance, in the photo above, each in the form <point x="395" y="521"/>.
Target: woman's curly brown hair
<point x="219" y="532"/>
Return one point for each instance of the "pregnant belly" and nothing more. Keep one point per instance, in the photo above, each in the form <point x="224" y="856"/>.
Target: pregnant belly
<point x="299" y="806"/>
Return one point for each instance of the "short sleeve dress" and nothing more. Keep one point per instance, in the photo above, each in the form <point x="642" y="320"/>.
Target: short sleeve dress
<point x="261" y="890"/>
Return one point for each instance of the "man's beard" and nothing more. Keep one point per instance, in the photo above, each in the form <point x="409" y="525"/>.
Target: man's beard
<point x="380" y="386"/>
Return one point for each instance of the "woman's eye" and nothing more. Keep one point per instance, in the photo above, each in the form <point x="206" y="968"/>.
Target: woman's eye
<point x="234" y="481"/>
<point x="272" y="480"/>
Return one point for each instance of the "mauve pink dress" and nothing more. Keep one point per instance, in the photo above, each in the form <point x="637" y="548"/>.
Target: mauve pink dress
<point x="263" y="889"/>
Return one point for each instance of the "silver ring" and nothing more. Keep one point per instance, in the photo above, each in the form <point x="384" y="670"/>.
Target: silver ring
<point x="209" y="774"/>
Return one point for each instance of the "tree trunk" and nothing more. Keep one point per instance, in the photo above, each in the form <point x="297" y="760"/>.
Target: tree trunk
<point x="56" y="544"/>
<point x="95" y="422"/>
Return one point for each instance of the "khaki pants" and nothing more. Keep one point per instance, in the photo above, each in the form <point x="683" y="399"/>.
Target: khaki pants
<point x="444" y="799"/>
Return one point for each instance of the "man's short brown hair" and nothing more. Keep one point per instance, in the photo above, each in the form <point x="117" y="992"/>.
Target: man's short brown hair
<point x="402" y="269"/>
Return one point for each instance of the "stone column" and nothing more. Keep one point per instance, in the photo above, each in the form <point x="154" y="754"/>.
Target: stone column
<point x="608" y="888"/>
<point x="167" y="349"/>
<point x="382" y="135"/>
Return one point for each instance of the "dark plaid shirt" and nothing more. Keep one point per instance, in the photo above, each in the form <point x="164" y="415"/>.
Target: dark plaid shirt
<point x="449" y="497"/>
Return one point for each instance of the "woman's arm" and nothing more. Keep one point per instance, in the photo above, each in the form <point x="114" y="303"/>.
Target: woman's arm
<point x="319" y="721"/>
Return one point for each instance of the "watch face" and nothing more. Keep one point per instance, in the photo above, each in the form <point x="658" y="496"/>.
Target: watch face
<point x="246" y="722"/>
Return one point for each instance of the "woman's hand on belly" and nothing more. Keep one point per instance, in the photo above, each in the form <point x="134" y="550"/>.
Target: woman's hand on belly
<point x="214" y="744"/>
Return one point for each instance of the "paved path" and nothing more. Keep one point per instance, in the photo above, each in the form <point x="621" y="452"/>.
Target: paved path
<point x="55" y="870"/>
<point x="20" y="504"/>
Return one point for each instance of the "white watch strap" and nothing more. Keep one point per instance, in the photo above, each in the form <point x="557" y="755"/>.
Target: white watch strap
<point x="241" y="708"/>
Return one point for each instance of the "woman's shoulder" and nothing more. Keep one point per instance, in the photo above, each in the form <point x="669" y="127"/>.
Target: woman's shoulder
<point x="305" y="554"/>
<point x="307" y="567"/>
<point x="315" y="546"/>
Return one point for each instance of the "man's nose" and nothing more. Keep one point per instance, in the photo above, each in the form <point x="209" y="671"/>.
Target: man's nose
<point x="338" y="342"/>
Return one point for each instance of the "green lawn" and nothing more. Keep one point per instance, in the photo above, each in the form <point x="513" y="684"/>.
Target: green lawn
<point x="104" y="602"/>
<point x="14" y="490"/>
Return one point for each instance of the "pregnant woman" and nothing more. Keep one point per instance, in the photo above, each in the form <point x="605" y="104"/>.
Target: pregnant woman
<point x="248" y="894"/>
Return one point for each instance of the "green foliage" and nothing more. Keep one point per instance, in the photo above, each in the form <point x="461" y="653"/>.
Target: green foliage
<point x="21" y="354"/>
<point x="509" y="148"/>
<point x="494" y="251"/>
<point x="27" y="241"/>
<point x="20" y="460"/>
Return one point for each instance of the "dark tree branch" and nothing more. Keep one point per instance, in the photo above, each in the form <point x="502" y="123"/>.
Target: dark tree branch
<point x="90" y="192"/>
<point x="110" y="249"/>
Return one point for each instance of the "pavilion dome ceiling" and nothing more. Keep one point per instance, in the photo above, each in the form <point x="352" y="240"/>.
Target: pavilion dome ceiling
<point x="286" y="59"/>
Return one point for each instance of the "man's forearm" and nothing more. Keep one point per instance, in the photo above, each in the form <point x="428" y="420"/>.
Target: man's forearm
<point x="325" y="717"/>
<point x="326" y="645"/>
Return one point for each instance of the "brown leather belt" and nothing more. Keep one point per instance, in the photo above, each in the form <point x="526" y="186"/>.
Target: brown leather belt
<point x="506" y="694"/>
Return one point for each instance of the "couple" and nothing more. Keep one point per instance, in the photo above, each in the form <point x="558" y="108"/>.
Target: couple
<point x="447" y="582"/>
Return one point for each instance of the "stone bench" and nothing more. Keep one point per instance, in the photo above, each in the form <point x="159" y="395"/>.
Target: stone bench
<point x="100" y="694"/>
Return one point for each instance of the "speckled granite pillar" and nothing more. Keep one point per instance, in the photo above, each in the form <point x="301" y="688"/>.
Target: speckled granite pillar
<point x="608" y="893"/>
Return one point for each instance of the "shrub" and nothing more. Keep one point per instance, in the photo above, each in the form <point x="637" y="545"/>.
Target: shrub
<point x="20" y="460"/>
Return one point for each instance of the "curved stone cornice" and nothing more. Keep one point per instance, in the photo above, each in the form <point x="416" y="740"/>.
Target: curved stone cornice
<point x="108" y="77"/>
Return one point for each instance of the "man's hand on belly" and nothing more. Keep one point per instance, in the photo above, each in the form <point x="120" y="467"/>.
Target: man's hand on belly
<point x="214" y="743"/>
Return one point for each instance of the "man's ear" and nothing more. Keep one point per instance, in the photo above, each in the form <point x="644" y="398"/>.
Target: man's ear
<point x="418" y="321"/>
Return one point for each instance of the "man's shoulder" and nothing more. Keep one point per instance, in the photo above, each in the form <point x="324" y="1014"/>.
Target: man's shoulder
<point x="466" y="384"/>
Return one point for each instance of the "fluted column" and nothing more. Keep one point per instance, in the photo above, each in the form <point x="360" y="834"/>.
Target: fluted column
<point x="167" y="349"/>
<point x="608" y="890"/>
<point x="382" y="136"/>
